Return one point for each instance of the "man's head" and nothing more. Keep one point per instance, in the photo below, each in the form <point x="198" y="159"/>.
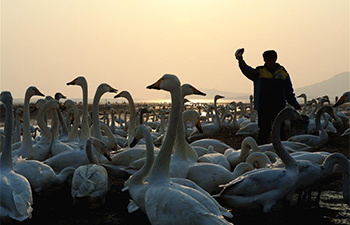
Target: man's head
<point x="270" y="58"/>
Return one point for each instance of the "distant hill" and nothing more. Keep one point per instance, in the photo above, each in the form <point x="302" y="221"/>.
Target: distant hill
<point x="334" y="86"/>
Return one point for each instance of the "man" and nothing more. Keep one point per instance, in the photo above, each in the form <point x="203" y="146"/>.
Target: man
<point x="272" y="87"/>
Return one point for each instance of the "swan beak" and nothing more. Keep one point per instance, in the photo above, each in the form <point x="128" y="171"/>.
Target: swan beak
<point x="220" y="96"/>
<point x="199" y="126"/>
<point x="112" y="89"/>
<point x="61" y="106"/>
<point x="107" y="157"/>
<point x="156" y="85"/>
<point x="118" y="95"/>
<point x="340" y="101"/>
<point x="115" y="147"/>
<point x="198" y="92"/>
<point x="133" y="143"/>
<point x="72" y="82"/>
<point x="37" y="92"/>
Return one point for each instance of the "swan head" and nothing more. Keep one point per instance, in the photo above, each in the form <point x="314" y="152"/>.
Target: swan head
<point x="188" y="89"/>
<point x="218" y="97"/>
<point x="303" y="95"/>
<point x="5" y="97"/>
<point x="166" y="82"/>
<point x="193" y="116"/>
<point x="100" y="147"/>
<point x="124" y="94"/>
<point x="106" y="88"/>
<point x="59" y="95"/>
<point x="344" y="98"/>
<point x="327" y="109"/>
<point x="78" y="81"/>
<point x="140" y="132"/>
<point x="31" y="91"/>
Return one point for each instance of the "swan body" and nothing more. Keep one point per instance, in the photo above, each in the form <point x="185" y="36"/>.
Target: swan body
<point x="91" y="180"/>
<point x="218" y="145"/>
<point x="264" y="187"/>
<point x="16" y="194"/>
<point x="40" y="175"/>
<point x="216" y="158"/>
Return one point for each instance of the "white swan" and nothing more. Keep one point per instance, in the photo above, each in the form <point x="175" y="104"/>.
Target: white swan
<point x="132" y="118"/>
<point x="40" y="175"/>
<point x="311" y="174"/>
<point x="216" y="158"/>
<point x="218" y="145"/>
<point x="184" y="154"/>
<point x="85" y="133"/>
<point x="313" y="140"/>
<point x="91" y="181"/>
<point x="165" y="201"/>
<point x="209" y="130"/>
<point x="73" y="134"/>
<point x="16" y="194"/>
<point x="264" y="187"/>
<point x="26" y="149"/>
<point x="101" y="89"/>
<point x="236" y="156"/>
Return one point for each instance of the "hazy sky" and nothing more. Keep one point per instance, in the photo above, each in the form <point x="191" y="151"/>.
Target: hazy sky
<point x="130" y="44"/>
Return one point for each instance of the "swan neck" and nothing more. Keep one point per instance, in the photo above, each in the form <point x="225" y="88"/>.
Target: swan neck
<point x="276" y="142"/>
<point x="141" y="174"/>
<point x="160" y="170"/>
<point x="95" y="117"/>
<point x="216" y="111"/>
<point x="132" y="119"/>
<point x="76" y="122"/>
<point x="41" y="122"/>
<point x="6" y="157"/>
<point x="85" y="133"/>
<point x="27" y="139"/>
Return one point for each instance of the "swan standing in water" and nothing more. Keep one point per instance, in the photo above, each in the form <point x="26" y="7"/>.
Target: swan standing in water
<point x="264" y="187"/>
<point x="91" y="181"/>
<point x="16" y="194"/>
<point x="165" y="201"/>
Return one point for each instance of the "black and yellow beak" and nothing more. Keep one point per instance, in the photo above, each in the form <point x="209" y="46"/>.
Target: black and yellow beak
<point x="107" y="157"/>
<point x="199" y="126"/>
<point x="156" y="85"/>
<point x="37" y="92"/>
<point x="133" y="143"/>
<point x="340" y="101"/>
<point x="73" y="82"/>
<point x="113" y="90"/>
<point x="198" y="92"/>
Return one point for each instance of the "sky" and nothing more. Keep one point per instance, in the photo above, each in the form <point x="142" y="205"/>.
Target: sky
<point x="130" y="44"/>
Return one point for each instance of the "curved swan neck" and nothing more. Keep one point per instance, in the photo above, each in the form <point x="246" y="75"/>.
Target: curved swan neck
<point x="216" y="112"/>
<point x="95" y="118"/>
<point x="6" y="157"/>
<point x="142" y="173"/>
<point x="76" y="122"/>
<point x="40" y="119"/>
<point x="332" y="160"/>
<point x="132" y="119"/>
<point x="90" y="155"/>
<point x="160" y="169"/>
<point x="85" y="133"/>
<point x="27" y="139"/>
<point x="276" y="141"/>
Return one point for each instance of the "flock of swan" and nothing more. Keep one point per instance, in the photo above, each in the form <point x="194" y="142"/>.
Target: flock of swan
<point x="175" y="170"/>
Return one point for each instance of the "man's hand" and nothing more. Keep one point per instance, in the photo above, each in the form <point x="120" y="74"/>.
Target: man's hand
<point x="239" y="54"/>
